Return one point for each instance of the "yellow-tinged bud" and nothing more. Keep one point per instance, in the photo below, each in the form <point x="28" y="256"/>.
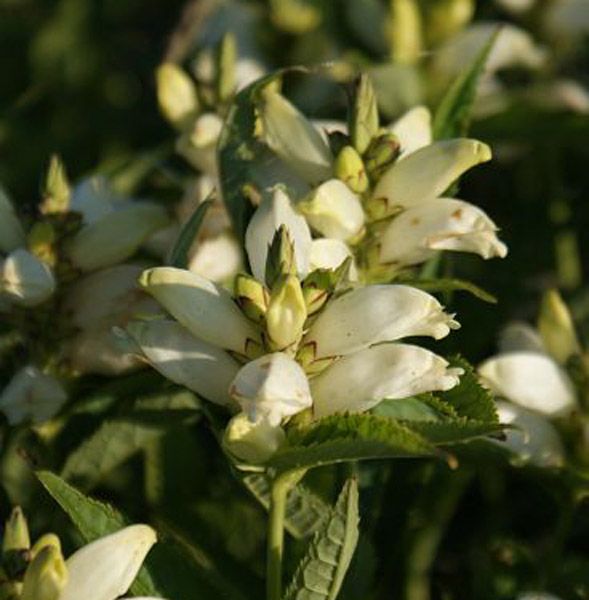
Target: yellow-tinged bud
<point x="405" y="31"/>
<point x="364" y="115"/>
<point x="16" y="532"/>
<point x="176" y="94"/>
<point x="294" y="16"/>
<point x="41" y="242"/>
<point x="349" y="167"/>
<point x="281" y="256"/>
<point x="556" y="327"/>
<point x="382" y="153"/>
<point x="306" y="358"/>
<point x="226" y="61"/>
<point x="49" y="539"/>
<point x="445" y="18"/>
<point x="252" y="297"/>
<point x="287" y="313"/>
<point x="46" y="576"/>
<point x="251" y="442"/>
<point x="56" y="191"/>
<point x="317" y="288"/>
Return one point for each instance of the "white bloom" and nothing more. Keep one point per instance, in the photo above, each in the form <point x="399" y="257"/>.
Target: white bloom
<point x="31" y="395"/>
<point x="532" y="380"/>
<point x="217" y="258"/>
<point x="271" y="388"/>
<point x="361" y="380"/>
<point x="426" y="173"/>
<point x="534" y="439"/>
<point x="330" y="254"/>
<point x="520" y="336"/>
<point x="333" y="210"/>
<point x="253" y="442"/>
<point x="270" y="215"/>
<point x="445" y="224"/>
<point x="199" y="145"/>
<point x="176" y="94"/>
<point x="12" y="234"/>
<point x="294" y="138"/>
<point x="377" y="313"/>
<point x="25" y="279"/>
<point x="106" y="568"/>
<point x="204" y="308"/>
<point x="413" y="129"/>
<point x="184" y="359"/>
<point x="94" y="198"/>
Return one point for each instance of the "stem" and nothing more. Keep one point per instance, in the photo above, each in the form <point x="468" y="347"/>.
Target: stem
<point x="276" y="539"/>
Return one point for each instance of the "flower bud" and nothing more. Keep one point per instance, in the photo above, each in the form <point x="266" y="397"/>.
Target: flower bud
<point x="281" y="258"/>
<point x="56" y="191"/>
<point x="226" y="63"/>
<point x="381" y="154"/>
<point x="49" y="539"/>
<point x="294" y="16"/>
<point x="252" y="442"/>
<point x="16" y="532"/>
<point x="404" y="31"/>
<point x="333" y="210"/>
<point x="46" y="576"/>
<point x="350" y="169"/>
<point x="364" y="116"/>
<point x="556" y="327"/>
<point x="444" y="18"/>
<point x="251" y="296"/>
<point x="12" y="235"/>
<point x="41" y="242"/>
<point x="176" y="94"/>
<point x="287" y="313"/>
<point x="25" y="279"/>
<point x="317" y="288"/>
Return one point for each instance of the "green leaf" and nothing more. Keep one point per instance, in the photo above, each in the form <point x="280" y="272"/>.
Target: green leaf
<point x="321" y="572"/>
<point x="470" y="399"/>
<point x="453" y="114"/>
<point x="407" y="409"/>
<point x="451" y="285"/>
<point x="179" y="255"/>
<point x="305" y="511"/>
<point x="341" y="438"/>
<point x="110" y="446"/>
<point x="454" y="431"/>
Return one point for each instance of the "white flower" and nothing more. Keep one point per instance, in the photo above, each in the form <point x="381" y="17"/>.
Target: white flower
<point x="253" y="442"/>
<point x="445" y="224"/>
<point x="25" y="279"/>
<point x="373" y="314"/>
<point x="271" y="388"/>
<point x="217" y="258"/>
<point x="532" y="380"/>
<point x="361" y="380"/>
<point x="199" y="145"/>
<point x="31" y="395"/>
<point x="270" y="215"/>
<point x="12" y="235"/>
<point x="330" y="254"/>
<point x="413" y="129"/>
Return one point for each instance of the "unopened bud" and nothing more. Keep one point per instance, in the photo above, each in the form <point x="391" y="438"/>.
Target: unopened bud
<point x="445" y="18"/>
<point x="56" y="191"/>
<point x="281" y="256"/>
<point x="251" y="296"/>
<point x="49" y="539"/>
<point x="556" y="327"/>
<point x="226" y="61"/>
<point x="252" y="442"/>
<point x="41" y="242"/>
<point x="176" y="94"/>
<point x="46" y="576"/>
<point x="364" y="116"/>
<point x="16" y="532"/>
<point x="382" y="153"/>
<point x="404" y="31"/>
<point x="349" y="167"/>
<point x="317" y="288"/>
<point x="294" y="16"/>
<point x="287" y="313"/>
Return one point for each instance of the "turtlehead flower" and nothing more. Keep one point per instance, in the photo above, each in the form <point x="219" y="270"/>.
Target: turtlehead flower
<point x="25" y="280"/>
<point x="31" y="396"/>
<point x="252" y="441"/>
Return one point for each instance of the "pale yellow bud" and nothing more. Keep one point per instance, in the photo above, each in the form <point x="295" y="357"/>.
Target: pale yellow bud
<point x="252" y="442"/>
<point x="404" y="31"/>
<point x="176" y="94"/>
<point x="557" y="328"/>
<point x="56" y="194"/>
<point x="287" y="313"/>
<point x="349" y="167"/>
<point x="251" y="296"/>
<point x="16" y="532"/>
<point x="46" y="576"/>
<point x="445" y="18"/>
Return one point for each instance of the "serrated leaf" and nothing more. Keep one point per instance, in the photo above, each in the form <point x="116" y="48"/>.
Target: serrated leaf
<point x="470" y="399"/>
<point x="454" y="431"/>
<point x="179" y="254"/>
<point x="305" y="511"/>
<point x="341" y="438"/>
<point x="406" y="409"/>
<point x="321" y="572"/>
<point x="454" y="111"/>
<point x="452" y="285"/>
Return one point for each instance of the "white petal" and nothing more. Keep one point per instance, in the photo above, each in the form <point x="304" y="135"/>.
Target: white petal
<point x="334" y="210"/>
<point x="428" y="172"/>
<point x="270" y="215"/>
<point x="414" y="129"/>
<point x="199" y="145"/>
<point x="294" y="139"/>
<point x="330" y="254"/>
<point x="444" y="224"/>
<point x="25" y="279"/>
<point x="531" y="380"/>
<point x="377" y="313"/>
<point x="93" y="198"/>
<point x="203" y="307"/>
<point x="271" y="388"/>
<point x="247" y="70"/>
<point x="518" y="336"/>
<point x="12" y="234"/>
<point x="217" y="259"/>
<point x="361" y="380"/>
<point x="31" y="395"/>
<point x="252" y="442"/>
<point x="106" y="568"/>
<point x="116" y="236"/>
<point x="180" y="357"/>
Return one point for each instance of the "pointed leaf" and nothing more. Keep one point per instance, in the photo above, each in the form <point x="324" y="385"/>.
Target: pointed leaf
<point x="179" y="254"/>
<point x="451" y="285"/>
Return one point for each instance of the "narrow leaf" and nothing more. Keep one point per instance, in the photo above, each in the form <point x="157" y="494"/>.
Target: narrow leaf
<point x="451" y="285"/>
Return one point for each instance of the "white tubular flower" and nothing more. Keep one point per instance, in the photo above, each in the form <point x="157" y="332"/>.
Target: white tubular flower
<point x="333" y="210"/>
<point x="217" y="258"/>
<point x="106" y="568"/>
<point x="180" y="357"/>
<point x="199" y="146"/>
<point x="535" y="440"/>
<point x="270" y="215"/>
<point x="116" y="236"/>
<point x="377" y="313"/>
<point x="413" y="129"/>
<point x="330" y="254"/>
<point x="253" y="443"/>
<point x="25" y="279"/>
<point x="425" y="174"/>
<point x="446" y="224"/>
<point x="271" y="388"/>
<point x="532" y="380"/>
<point x="203" y="307"/>
<point x="358" y="382"/>
<point x="12" y="234"/>
<point x="294" y="138"/>
<point x="176" y="94"/>
<point x="31" y="395"/>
